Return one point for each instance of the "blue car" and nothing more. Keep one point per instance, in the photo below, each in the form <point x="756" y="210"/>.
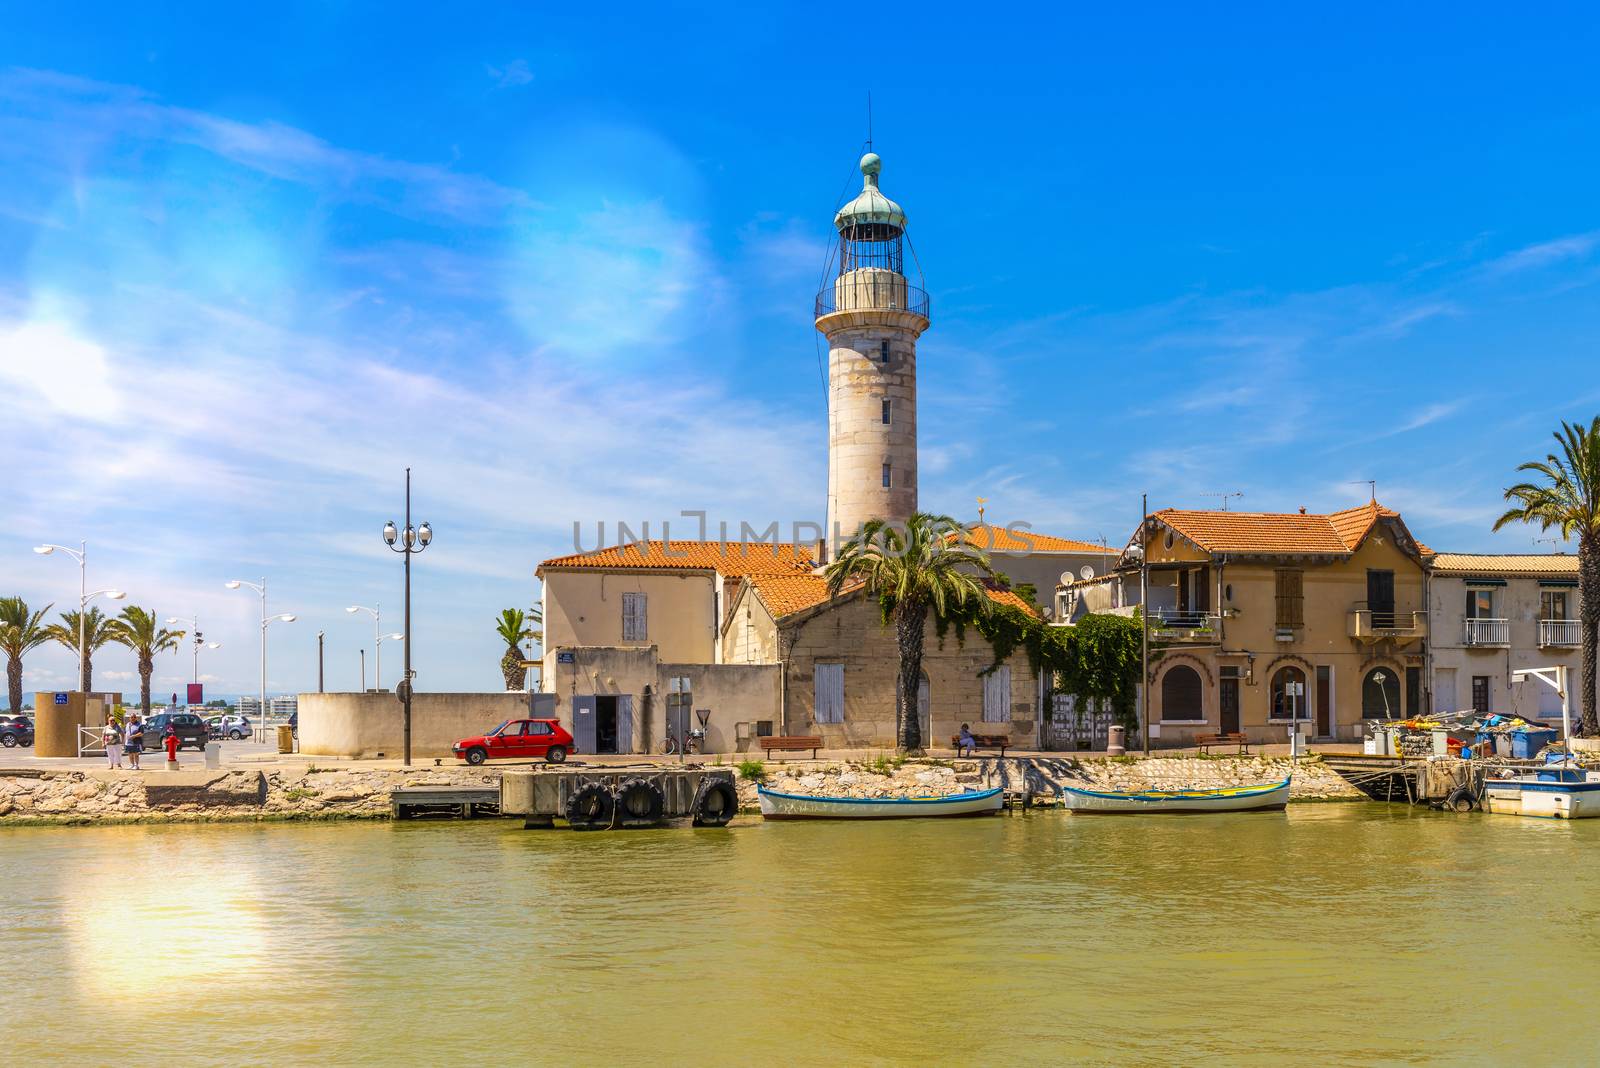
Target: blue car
<point x="15" y="731"/>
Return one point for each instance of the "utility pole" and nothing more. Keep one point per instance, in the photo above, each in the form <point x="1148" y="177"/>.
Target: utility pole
<point x="319" y="663"/>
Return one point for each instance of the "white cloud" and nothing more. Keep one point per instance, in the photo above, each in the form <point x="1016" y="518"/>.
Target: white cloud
<point x="513" y="74"/>
<point x="67" y="374"/>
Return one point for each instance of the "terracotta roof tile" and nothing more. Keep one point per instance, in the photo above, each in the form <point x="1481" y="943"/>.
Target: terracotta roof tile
<point x="731" y="558"/>
<point x="785" y="595"/>
<point x="991" y="538"/>
<point x="1268" y="533"/>
<point x="1505" y="564"/>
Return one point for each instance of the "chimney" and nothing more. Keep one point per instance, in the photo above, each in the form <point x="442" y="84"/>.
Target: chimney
<point x="822" y="551"/>
<point x="1302" y="509"/>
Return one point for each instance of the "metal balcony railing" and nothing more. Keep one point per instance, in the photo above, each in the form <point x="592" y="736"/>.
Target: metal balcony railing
<point x="1193" y="628"/>
<point x="1565" y="633"/>
<point x="1486" y="632"/>
<point x="872" y="291"/>
<point x="1387" y="622"/>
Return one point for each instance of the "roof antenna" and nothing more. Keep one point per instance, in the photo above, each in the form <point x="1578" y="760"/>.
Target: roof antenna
<point x="869" y="120"/>
<point x="1371" y="484"/>
<point x="1224" y="496"/>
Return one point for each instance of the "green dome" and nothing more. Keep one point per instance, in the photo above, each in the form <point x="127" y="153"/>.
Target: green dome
<point x="871" y="206"/>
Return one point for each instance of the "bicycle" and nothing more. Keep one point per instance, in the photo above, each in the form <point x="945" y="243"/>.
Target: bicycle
<point x="691" y="744"/>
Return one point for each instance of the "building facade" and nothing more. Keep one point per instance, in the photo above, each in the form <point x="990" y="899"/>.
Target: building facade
<point x="1495" y="614"/>
<point x="1263" y="621"/>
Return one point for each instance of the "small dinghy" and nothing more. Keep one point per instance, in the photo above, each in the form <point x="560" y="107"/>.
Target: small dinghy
<point x="777" y="806"/>
<point x="1225" y="799"/>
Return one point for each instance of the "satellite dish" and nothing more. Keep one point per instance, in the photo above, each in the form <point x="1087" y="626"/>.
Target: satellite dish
<point x="1067" y="578"/>
<point x="1086" y="571"/>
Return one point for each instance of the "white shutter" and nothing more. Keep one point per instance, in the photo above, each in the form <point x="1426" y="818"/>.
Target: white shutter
<point x="635" y="612"/>
<point x="997" y="696"/>
<point x="828" y="680"/>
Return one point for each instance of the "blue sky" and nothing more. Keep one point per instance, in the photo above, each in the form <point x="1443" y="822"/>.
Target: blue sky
<point x="562" y="264"/>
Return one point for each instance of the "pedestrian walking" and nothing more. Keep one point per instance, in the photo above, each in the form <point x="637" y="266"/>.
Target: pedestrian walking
<point x="133" y="741"/>
<point x="171" y="742"/>
<point x="111" y="739"/>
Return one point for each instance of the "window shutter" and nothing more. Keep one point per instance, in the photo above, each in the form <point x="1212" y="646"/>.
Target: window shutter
<point x="1290" y="598"/>
<point x="997" y="696"/>
<point x="635" y="613"/>
<point x="828" y="680"/>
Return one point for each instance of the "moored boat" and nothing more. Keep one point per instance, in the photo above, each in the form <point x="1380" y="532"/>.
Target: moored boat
<point x="1221" y="799"/>
<point x="1557" y="793"/>
<point x="781" y="806"/>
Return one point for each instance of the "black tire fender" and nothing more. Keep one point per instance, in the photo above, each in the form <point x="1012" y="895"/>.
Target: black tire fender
<point x="639" y="803"/>
<point x="715" y="803"/>
<point x="591" y="808"/>
<point x="1461" y="799"/>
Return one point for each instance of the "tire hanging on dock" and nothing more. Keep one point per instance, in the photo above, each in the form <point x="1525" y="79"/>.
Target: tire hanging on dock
<point x="1461" y="799"/>
<point x="715" y="803"/>
<point x="639" y="803"/>
<point x="591" y="808"/>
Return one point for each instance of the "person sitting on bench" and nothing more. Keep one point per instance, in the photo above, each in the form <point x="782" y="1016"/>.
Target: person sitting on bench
<point x="966" y="745"/>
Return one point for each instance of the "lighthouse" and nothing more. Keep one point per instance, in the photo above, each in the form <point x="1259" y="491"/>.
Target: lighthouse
<point x="872" y="317"/>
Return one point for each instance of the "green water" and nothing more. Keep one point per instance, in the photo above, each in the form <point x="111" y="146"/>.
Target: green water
<point x="1332" y="934"/>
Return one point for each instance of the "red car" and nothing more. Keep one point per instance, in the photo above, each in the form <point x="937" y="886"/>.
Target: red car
<point x="517" y="739"/>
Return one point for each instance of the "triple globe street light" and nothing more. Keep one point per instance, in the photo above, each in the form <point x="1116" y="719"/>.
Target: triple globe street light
<point x="81" y="554"/>
<point x="412" y="540"/>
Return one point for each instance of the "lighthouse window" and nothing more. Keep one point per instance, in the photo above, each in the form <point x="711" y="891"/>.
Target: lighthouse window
<point x="883" y="351"/>
<point x="886" y="478"/>
<point x="887" y="409"/>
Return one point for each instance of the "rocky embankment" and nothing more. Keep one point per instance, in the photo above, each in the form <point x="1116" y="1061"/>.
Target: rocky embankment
<point x="36" y="796"/>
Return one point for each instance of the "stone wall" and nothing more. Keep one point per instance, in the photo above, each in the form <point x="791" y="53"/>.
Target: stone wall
<point x="365" y="726"/>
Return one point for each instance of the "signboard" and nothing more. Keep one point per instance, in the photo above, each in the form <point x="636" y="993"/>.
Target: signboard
<point x="197" y="693"/>
<point x="1294" y="689"/>
<point x="61" y="698"/>
<point x="566" y="658"/>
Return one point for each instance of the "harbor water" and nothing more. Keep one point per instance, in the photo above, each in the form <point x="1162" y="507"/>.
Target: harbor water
<point x="1329" y="934"/>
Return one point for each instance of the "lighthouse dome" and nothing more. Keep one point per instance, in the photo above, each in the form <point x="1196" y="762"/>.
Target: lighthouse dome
<point x="871" y="207"/>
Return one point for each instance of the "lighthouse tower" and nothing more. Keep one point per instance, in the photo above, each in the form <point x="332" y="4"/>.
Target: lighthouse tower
<point x="872" y="318"/>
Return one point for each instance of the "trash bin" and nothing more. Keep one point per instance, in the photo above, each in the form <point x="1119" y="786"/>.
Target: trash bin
<point x="285" y="738"/>
<point x="1525" y="744"/>
<point x="1116" y="740"/>
<point x="213" y="755"/>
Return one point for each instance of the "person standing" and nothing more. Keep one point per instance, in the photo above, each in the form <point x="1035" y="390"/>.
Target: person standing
<point x="111" y="739"/>
<point x="133" y="741"/>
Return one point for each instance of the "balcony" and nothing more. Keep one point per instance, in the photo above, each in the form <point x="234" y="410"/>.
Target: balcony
<point x="1559" y="634"/>
<point x="1185" y="628"/>
<point x="871" y="294"/>
<point x="1486" y="633"/>
<point x="1402" y="625"/>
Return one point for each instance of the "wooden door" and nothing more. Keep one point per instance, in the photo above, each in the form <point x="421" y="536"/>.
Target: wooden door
<point x="1324" y="703"/>
<point x="1229" y="700"/>
<point x="583" y="732"/>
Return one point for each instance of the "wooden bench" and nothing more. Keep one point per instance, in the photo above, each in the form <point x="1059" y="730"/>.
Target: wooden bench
<point x="793" y="743"/>
<point x="984" y="741"/>
<point x="1204" y="741"/>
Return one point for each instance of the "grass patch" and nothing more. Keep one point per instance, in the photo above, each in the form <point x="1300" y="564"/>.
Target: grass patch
<point x="753" y="770"/>
<point x="299" y="793"/>
<point x="886" y="765"/>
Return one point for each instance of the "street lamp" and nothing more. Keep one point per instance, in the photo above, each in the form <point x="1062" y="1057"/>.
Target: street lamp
<point x="412" y="541"/>
<point x="198" y="639"/>
<point x="266" y="621"/>
<point x="378" y="639"/>
<point x="81" y="554"/>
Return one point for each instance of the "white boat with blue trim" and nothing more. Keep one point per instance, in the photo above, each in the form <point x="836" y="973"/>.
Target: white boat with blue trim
<point x="781" y="806"/>
<point x="1557" y="793"/>
<point x="1222" y="799"/>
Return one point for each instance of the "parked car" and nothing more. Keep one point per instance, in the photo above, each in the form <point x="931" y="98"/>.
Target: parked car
<point x="233" y="727"/>
<point x="15" y="731"/>
<point x="192" y="732"/>
<point x="528" y="739"/>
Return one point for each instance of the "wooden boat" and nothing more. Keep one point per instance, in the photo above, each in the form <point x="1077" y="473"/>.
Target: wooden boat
<point x="1224" y="799"/>
<point x="1553" y="793"/>
<point x="780" y="806"/>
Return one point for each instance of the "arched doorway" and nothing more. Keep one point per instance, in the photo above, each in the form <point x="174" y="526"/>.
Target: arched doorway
<point x="1289" y="694"/>
<point x="1380" y="694"/>
<point x="1181" y="695"/>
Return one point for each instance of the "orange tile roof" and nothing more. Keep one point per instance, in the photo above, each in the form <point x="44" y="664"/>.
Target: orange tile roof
<point x="991" y="538"/>
<point x="1270" y="533"/>
<point x="1506" y="563"/>
<point x="785" y="595"/>
<point x="731" y="558"/>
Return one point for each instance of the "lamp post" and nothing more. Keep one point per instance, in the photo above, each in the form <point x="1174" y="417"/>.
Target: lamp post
<point x="378" y="639"/>
<point x="81" y="554"/>
<point x="199" y="640"/>
<point x="266" y="621"/>
<point x="412" y="541"/>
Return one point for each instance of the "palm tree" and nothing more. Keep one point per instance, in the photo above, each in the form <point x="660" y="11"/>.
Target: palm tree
<point x="1567" y="497"/>
<point x="924" y="565"/>
<point x="139" y="630"/>
<point x="20" y="632"/>
<point x="96" y="633"/>
<point x="514" y="627"/>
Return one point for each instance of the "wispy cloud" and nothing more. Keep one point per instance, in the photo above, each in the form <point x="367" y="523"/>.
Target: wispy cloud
<point x="513" y="74"/>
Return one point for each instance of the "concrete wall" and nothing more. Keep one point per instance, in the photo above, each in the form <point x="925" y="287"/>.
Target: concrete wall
<point x="55" y="727"/>
<point x="853" y="634"/>
<point x="366" y="725"/>
<point x="1247" y="639"/>
<point x="733" y="692"/>
<point x="584" y="608"/>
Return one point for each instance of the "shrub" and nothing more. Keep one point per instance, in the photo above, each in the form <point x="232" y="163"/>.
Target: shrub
<point x="753" y="770"/>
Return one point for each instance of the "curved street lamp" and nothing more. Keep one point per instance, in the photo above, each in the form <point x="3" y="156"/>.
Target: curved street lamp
<point x="198" y="640"/>
<point x="378" y="638"/>
<point x="266" y="620"/>
<point x="81" y="554"/>
<point x="411" y="541"/>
